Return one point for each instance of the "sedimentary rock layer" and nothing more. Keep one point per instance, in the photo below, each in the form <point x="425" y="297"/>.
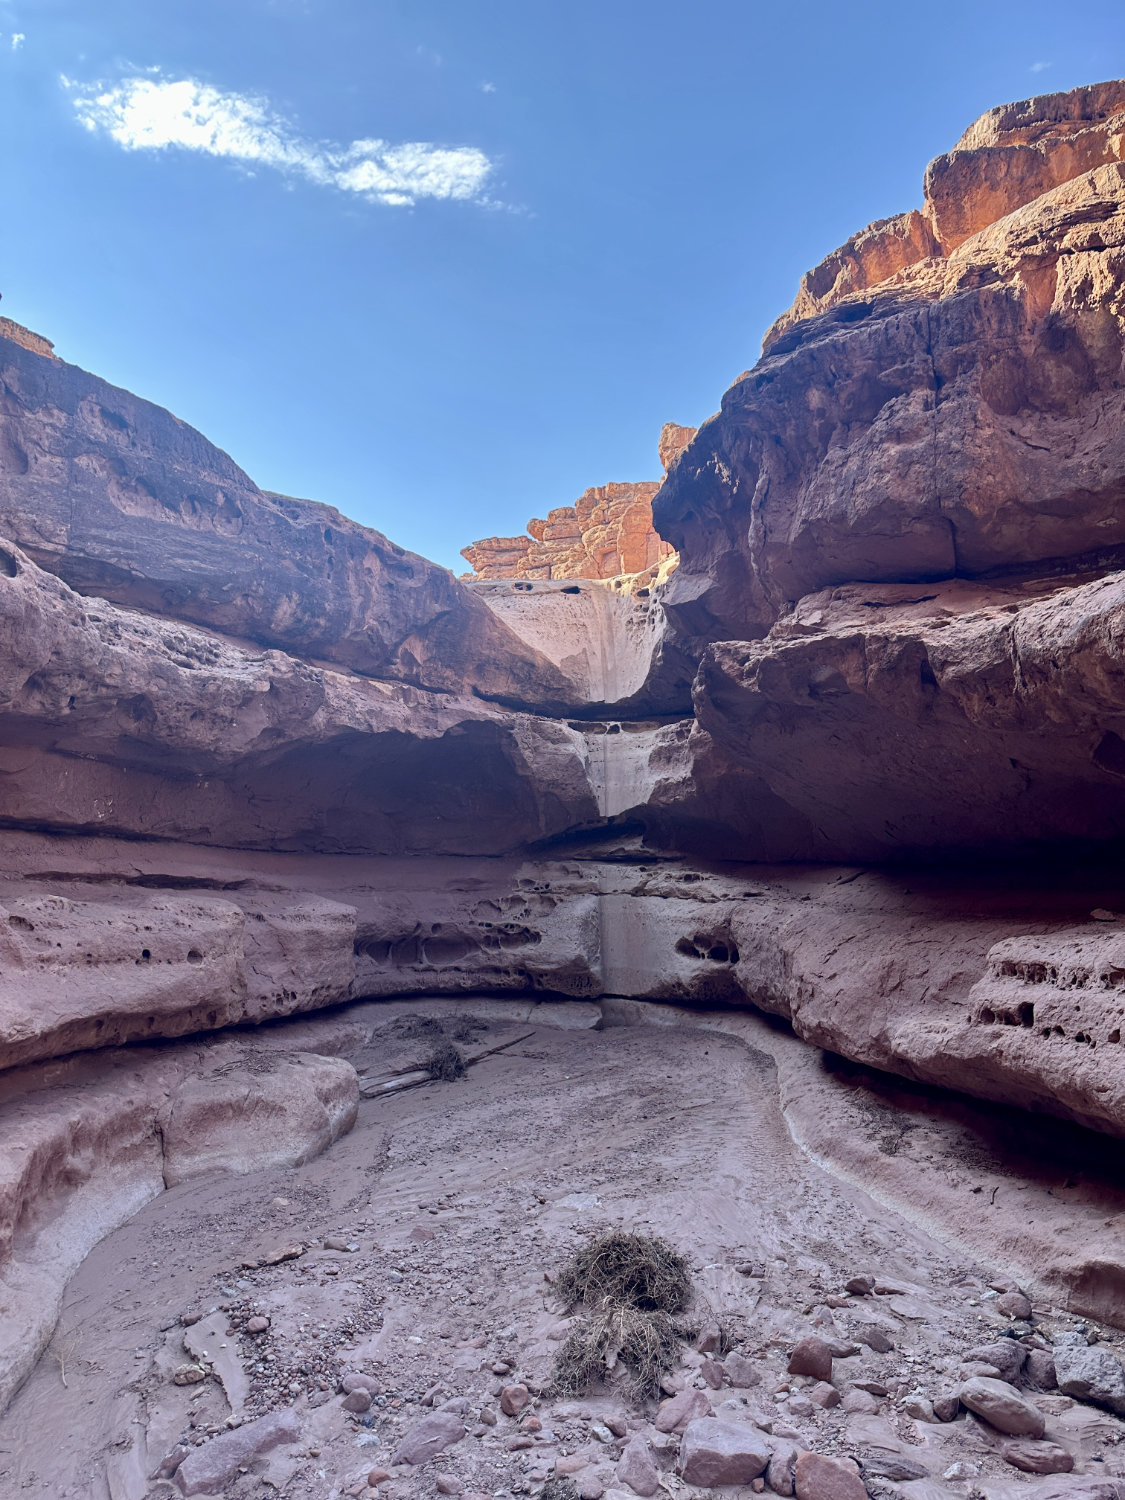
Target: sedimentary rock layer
<point x="607" y="532"/>
<point x="965" y="415"/>
<point x="124" y="501"/>
<point x="114" y="721"/>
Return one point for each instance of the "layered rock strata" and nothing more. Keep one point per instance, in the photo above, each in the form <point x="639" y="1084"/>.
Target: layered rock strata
<point x="607" y="532"/>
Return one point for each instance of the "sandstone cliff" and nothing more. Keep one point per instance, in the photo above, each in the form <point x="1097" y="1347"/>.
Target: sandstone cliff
<point x="607" y="532"/>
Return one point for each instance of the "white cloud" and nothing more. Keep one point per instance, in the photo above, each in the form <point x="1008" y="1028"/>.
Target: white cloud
<point x="1039" y="67"/>
<point x="488" y="88"/>
<point x="153" y="113"/>
<point x="18" y="40"/>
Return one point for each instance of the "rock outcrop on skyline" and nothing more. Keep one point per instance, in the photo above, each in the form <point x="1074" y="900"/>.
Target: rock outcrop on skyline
<point x="607" y="532"/>
<point x="857" y="761"/>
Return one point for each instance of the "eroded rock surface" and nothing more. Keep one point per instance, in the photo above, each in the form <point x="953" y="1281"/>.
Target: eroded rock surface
<point x="607" y="532"/>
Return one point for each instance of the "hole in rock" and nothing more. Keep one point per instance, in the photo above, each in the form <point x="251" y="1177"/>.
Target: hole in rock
<point x="8" y="565"/>
<point x="194" y="956"/>
<point x="573" y="589"/>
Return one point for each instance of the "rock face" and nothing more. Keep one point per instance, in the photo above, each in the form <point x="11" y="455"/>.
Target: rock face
<point x="606" y="532"/>
<point x="125" y="502"/>
<point x="920" y="485"/>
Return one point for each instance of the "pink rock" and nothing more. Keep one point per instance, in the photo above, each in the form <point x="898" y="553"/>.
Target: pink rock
<point x="357" y="1400"/>
<point x="715" y="1452"/>
<point x="513" y="1399"/>
<point x="674" y="1414"/>
<point x="824" y="1394"/>
<point x="817" y="1477"/>
<point x="1038" y="1458"/>
<point x="1002" y="1406"/>
<point x="637" y="1468"/>
<point x="741" y="1371"/>
<point x="430" y="1435"/>
<point x="812" y="1357"/>
<point x="209" y="1469"/>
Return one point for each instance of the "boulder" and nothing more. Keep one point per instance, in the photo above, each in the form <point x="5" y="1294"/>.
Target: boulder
<point x="208" y="1470"/>
<point x="1090" y="1373"/>
<point x="1002" y="1406"/>
<point x="714" y="1452"/>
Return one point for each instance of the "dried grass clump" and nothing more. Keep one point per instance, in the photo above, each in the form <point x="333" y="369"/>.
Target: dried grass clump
<point x="634" y="1286"/>
<point x="627" y="1270"/>
<point x="445" y="1063"/>
<point x="645" y="1343"/>
<point x="559" y="1488"/>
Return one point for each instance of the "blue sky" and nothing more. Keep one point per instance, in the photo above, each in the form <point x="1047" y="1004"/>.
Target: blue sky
<point x="445" y="263"/>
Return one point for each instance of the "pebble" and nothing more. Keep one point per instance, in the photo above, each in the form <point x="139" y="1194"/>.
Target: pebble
<point x="257" y="1325"/>
<point x="824" y="1394"/>
<point x="1002" y="1406"/>
<point x="919" y="1409"/>
<point x="812" y="1357"/>
<point x="378" y="1476"/>
<point x="860" y="1286"/>
<point x="710" y="1339"/>
<point x="445" y="1484"/>
<point x="189" y="1375"/>
<point x="1038" y="1458"/>
<point x="357" y="1401"/>
<point x="712" y="1372"/>
<point x="353" y="1380"/>
<point x="1006" y="1356"/>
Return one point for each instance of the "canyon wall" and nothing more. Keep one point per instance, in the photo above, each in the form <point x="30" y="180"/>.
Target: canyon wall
<point x="608" y="531"/>
<point x="857" y="761"/>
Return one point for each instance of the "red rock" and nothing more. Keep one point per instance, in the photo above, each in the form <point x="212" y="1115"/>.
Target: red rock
<point x="207" y="1470"/>
<point x="637" y="1468"/>
<point x="1002" y="1406"/>
<point x="817" y="1477"/>
<point x="714" y="1452"/>
<point x="513" y="1399"/>
<point x="811" y="1356"/>
<point x="1038" y="1458"/>
<point x="674" y="1414"/>
<point x="430" y="1435"/>
<point x="605" y="533"/>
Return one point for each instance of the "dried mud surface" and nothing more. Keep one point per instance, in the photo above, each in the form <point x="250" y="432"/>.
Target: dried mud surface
<point x="459" y="1196"/>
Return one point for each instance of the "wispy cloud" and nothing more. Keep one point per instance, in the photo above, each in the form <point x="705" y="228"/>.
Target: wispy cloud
<point x="488" y="88"/>
<point x="1039" y="67"/>
<point x="18" y="40"/>
<point x="152" y="113"/>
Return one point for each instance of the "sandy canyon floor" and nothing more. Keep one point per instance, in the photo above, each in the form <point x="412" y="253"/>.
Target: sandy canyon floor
<point x="419" y="1250"/>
